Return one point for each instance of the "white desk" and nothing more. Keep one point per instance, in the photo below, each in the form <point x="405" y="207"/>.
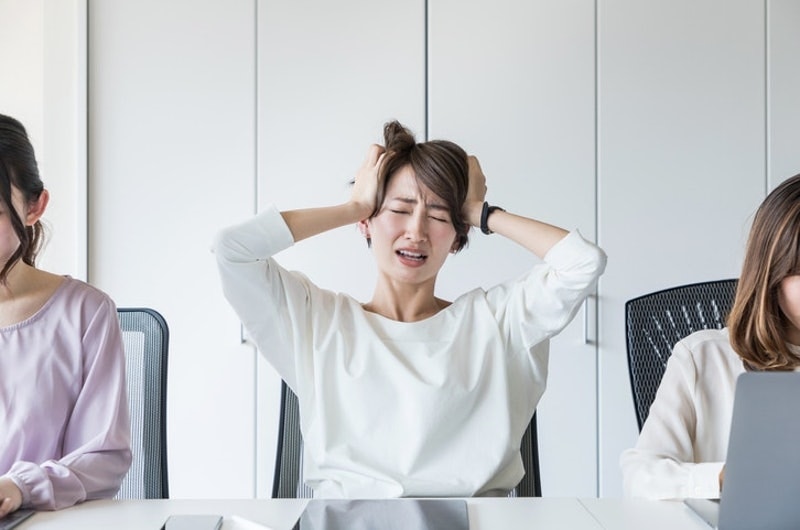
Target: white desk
<point x="640" y="513"/>
<point x="281" y="514"/>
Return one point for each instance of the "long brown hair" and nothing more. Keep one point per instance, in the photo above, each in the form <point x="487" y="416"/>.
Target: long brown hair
<point x="757" y="325"/>
<point x="438" y="164"/>
<point x="18" y="168"/>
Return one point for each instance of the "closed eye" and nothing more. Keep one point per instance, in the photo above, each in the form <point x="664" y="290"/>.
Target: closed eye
<point x="440" y="219"/>
<point x="401" y="212"/>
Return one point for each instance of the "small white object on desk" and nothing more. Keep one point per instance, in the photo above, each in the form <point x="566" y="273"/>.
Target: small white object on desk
<point x="240" y="523"/>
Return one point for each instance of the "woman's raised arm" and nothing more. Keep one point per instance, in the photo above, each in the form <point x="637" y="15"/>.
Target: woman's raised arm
<point x="309" y="222"/>
<point x="536" y="236"/>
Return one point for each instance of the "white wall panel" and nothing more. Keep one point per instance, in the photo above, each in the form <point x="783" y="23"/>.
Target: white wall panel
<point x="513" y="83"/>
<point x="783" y="89"/>
<point x="63" y="162"/>
<point x="329" y="76"/>
<point x="43" y="85"/>
<point x="172" y="151"/>
<point x="22" y="64"/>
<point x="681" y="166"/>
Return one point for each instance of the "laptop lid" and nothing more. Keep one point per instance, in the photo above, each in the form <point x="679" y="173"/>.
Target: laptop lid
<point x="385" y="514"/>
<point x="761" y="488"/>
<point x="15" y="518"/>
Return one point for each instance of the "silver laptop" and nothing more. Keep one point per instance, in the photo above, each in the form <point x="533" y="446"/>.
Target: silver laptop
<point x="384" y="514"/>
<point x="761" y="488"/>
<point x="15" y="518"/>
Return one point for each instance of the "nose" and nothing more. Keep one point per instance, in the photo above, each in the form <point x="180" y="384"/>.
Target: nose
<point x="417" y="227"/>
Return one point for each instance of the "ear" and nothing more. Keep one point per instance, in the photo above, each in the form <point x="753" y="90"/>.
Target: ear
<point x="363" y="227"/>
<point x="454" y="246"/>
<point x="36" y="208"/>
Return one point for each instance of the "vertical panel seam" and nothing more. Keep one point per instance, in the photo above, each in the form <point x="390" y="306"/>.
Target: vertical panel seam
<point x="597" y="412"/>
<point x="426" y="66"/>
<point x="256" y="168"/>
<point x="86" y="150"/>
<point x="767" y="122"/>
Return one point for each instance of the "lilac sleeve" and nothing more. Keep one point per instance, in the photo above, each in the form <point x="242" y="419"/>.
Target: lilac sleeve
<point x="96" y="438"/>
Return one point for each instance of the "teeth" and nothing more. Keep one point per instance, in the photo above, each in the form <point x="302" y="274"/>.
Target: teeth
<point x="412" y="255"/>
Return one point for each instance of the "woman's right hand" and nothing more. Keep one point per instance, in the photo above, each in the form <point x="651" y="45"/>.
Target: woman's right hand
<point x="10" y="497"/>
<point x="365" y="185"/>
<point x="308" y="222"/>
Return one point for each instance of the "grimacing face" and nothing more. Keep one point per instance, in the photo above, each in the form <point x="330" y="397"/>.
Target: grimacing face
<point x="412" y="234"/>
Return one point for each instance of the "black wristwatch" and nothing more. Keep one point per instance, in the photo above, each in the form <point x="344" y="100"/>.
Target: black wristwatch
<point x="485" y="213"/>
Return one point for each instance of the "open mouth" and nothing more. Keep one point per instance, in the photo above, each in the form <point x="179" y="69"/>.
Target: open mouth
<point x="414" y="256"/>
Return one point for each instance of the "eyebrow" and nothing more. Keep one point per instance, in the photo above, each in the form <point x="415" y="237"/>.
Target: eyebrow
<point x="431" y="205"/>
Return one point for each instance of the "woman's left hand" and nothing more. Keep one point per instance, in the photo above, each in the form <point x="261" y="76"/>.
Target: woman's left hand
<point x="476" y="193"/>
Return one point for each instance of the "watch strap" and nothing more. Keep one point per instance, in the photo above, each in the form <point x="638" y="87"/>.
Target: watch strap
<point x="485" y="213"/>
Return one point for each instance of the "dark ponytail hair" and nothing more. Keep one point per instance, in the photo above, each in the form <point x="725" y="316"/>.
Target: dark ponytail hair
<point x="18" y="168"/>
<point x="439" y="165"/>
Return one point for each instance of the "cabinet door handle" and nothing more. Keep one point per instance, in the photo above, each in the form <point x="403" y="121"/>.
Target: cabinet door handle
<point x="586" y="339"/>
<point x="586" y="320"/>
<point x="243" y="338"/>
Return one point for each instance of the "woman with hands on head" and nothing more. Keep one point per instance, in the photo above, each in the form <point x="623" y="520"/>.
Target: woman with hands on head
<point x="64" y="428"/>
<point x="682" y="448"/>
<point x="408" y="394"/>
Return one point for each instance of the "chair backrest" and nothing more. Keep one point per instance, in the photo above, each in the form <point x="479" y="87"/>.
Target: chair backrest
<point x="655" y="322"/>
<point x="146" y="339"/>
<point x="288" y="479"/>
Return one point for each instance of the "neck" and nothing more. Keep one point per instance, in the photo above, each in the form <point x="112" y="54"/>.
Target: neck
<point x="24" y="280"/>
<point x="793" y="336"/>
<point x="25" y="292"/>
<point x="405" y="303"/>
<point x="15" y="281"/>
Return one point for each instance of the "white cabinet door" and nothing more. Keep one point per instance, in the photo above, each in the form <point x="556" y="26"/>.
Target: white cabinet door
<point x="330" y="74"/>
<point x="171" y="154"/>
<point x="513" y="83"/>
<point x="783" y="90"/>
<point x="681" y="144"/>
<point x="43" y="85"/>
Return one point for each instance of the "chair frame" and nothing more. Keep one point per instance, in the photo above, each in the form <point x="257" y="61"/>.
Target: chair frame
<point x="287" y="483"/>
<point x="656" y="321"/>
<point x="159" y="344"/>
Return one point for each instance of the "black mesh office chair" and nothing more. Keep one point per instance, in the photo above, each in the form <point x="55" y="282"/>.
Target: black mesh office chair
<point x="655" y="322"/>
<point x="288" y="479"/>
<point x="146" y="339"/>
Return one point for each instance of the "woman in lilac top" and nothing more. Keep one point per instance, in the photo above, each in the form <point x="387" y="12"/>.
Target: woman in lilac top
<point x="64" y="427"/>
